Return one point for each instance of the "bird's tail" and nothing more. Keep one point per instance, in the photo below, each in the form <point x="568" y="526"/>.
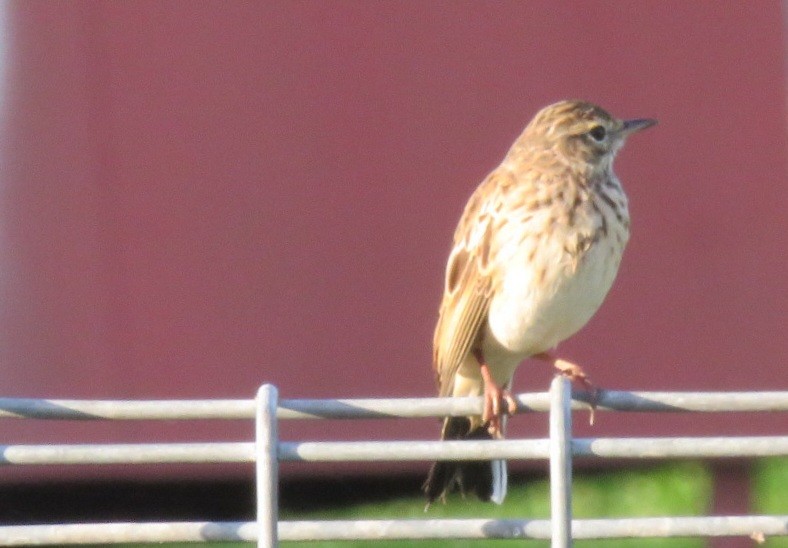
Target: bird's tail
<point x="487" y="479"/>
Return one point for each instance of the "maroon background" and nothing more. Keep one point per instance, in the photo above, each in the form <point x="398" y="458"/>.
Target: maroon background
<point x="200" y="198"/>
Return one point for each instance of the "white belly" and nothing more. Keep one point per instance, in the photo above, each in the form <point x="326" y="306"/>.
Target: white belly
<point x="543" y="302"/>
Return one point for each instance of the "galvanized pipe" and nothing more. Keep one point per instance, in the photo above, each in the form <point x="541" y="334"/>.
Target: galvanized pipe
<point x="267" y="467"/>
<point x="338" y="530"/>
<point x="560" y="463"/>
<point x="635" y="448"/>
<point x="706" y="402"/>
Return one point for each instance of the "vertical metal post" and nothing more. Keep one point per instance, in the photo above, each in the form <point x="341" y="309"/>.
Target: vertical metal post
<point x="267" y="466"/>
<point x="561" y="462"/>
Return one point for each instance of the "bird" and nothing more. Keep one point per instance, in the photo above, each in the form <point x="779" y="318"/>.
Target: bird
<point x="534" y="254"/>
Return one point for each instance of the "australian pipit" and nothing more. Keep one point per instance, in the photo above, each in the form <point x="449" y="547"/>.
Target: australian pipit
<point x="535" y="252"/>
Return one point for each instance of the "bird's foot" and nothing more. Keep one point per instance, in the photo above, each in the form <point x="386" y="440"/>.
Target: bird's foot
<point x="574" y="373"/>
<point x="497" y="402"/>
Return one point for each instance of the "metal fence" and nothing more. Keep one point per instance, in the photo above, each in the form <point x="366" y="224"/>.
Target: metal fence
<point x="267" y="451"/>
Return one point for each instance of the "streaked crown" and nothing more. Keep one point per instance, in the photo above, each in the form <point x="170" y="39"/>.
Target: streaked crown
<point x="578" y="130"/>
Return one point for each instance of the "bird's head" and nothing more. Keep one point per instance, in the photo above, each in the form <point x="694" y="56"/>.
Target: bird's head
<point x="580" y="132"/>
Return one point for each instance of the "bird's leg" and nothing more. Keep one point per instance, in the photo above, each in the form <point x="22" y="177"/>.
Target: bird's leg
<point x="494" y="398"/>
<point x="574" y="373"/>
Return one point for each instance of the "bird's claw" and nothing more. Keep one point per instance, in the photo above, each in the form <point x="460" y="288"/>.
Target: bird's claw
<point x="575" y="373"/>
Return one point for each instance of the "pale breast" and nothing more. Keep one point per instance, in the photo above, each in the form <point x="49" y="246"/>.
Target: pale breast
<point x="555" y="278"/>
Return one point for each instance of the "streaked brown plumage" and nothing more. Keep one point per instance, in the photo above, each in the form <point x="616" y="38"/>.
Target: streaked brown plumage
<point x="535" y="252"/>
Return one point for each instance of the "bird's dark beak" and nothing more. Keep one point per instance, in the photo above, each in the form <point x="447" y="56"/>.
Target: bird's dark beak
<point x="631" y="126"/>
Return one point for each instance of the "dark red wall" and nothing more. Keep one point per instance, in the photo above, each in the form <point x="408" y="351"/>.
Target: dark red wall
<point x="200" y="198"/>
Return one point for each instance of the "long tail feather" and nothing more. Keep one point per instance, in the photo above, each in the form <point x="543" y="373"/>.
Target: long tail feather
<point x="486" y="479"/>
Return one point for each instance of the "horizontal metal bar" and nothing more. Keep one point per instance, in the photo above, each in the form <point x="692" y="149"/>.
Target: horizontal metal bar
<point x="28" y="408"/>
<point x="655" y="448"/>
<point x="383" y="408"/>
<point x="635" y="448"/>
<point x="288" y="451"/>
<point x="146" y="453"/>
<point x="532" y="529"/>
<point x="413" y="450"/>
<point x="116" y="533"/>
<point x="703" y="402"/>
<point x="650" y="448"/>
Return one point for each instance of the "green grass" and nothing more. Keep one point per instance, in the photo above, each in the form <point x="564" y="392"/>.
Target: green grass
<point x="770" y="493"/>
<point x="671" y="489"/>
<point x="678" y="489"/>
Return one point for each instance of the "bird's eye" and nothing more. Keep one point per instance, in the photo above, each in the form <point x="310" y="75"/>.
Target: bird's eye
<point x="598" y="133"/>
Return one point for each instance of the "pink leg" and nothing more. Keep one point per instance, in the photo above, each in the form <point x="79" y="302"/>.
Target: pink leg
<point x="494" y="396"/>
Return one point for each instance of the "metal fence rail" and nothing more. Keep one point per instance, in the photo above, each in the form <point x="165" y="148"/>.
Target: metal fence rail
<point x="267" y="451"/>
<point x="369" y="530"/>
<point x="608" y="400"/>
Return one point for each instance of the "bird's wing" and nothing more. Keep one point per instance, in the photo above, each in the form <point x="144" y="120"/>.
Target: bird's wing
<point x="469" y="285"/>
